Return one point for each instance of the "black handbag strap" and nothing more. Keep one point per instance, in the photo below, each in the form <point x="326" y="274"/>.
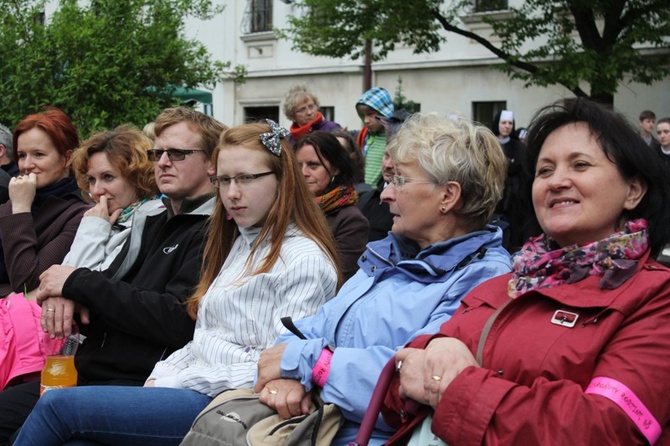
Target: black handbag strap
<point x="290" y="326"/>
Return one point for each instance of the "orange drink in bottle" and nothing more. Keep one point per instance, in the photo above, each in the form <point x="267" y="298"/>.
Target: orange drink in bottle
<point x="59" y="370"/>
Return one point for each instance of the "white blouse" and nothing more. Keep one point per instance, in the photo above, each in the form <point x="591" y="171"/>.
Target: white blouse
<point x="239" y="315"/>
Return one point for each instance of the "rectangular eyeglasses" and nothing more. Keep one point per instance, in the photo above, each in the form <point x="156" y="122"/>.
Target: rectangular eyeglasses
<point x="173" y="154"/>
<point x="241" y="179"/>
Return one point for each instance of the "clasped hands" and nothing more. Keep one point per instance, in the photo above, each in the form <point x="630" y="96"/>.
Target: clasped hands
<point x="426" y="373"/>
<point x="287" y="396"/>
<point x="57" y="311"/>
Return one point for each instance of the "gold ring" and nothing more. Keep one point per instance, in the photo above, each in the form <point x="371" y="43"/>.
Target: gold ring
<point x="436" y="378"/>
<point x="50" y="309"/>
<point x="273" y="391"/>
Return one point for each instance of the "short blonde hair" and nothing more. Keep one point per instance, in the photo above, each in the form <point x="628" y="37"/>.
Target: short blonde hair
<point x="455" y="149"/>
<point x="207" y="127"/>
<point x="297" y="95"/>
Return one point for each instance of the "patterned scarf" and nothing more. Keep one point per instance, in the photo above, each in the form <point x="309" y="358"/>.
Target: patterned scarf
<point x="541" y="264"/>
<point x="338" y="197"/>
<point x="297" y="131"/>
<point x="129" y="210"/>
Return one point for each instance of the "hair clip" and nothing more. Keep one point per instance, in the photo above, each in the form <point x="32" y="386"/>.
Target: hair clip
<point x="271" y="139"/>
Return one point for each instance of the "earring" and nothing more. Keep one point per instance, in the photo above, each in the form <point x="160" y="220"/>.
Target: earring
<point x="443" y="209"/>
<point x="332" y="180"/>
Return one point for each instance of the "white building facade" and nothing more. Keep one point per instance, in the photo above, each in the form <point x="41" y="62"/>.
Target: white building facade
<point x="458" y="78"/>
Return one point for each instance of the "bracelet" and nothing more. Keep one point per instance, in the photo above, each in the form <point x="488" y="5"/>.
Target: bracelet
<point x="322" y="367"/>
<point x="632" y="406"/>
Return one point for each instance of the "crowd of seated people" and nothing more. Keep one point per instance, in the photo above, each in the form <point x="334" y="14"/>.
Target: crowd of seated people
<point x="178" y="251"/>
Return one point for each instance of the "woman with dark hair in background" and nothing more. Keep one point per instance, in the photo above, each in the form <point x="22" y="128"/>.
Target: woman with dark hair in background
<point x="357" y="159"/>
<point x="328" y="170"/>
<point x="40" y="220"/>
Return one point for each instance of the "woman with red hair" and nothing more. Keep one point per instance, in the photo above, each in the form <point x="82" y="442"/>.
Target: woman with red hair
<point x="38" y="223"/>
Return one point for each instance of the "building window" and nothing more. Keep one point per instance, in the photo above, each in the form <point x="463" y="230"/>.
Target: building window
<point x="40" y="18"/>
<point x="490" y="5"/>
<point x="483" y="112"/>
<point x="257" y="17"/>
<point x="328" y="113"/>
<point x="254" y="114"/>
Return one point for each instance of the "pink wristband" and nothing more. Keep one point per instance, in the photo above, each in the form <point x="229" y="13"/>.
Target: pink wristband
<point x="322" y="367"/>
<point x="623" y="397"/>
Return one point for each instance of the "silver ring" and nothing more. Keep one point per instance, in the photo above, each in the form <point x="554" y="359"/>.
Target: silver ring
<point x="436" y="378"/>
<point x="398" y="366"/>
<point x="50" y="309"/>
<point x="273" y="391"/>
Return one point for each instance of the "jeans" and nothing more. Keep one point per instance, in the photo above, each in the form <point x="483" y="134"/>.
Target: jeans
<point x="142" y="416"/>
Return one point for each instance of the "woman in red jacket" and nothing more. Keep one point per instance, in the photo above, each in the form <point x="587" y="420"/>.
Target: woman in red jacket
<point x="572" y="346"/>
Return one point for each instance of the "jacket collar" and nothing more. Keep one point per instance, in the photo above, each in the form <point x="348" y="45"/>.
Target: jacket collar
<point x="433" y="262"/>
<point x="202" y="205"/>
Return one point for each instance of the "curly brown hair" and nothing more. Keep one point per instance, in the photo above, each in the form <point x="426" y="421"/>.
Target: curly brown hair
<point x="126" y="149"/>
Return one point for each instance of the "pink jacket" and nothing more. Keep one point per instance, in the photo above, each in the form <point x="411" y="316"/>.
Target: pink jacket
<point x="536" y="365"/>
<point x="20" y="347"/>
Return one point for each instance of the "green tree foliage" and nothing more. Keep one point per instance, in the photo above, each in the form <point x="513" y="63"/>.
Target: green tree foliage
<point x="543" y="42"/>
<point x="104" y="62"/>
<point x="401" y="102"/>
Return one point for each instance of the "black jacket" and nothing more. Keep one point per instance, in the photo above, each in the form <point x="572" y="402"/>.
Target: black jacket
<point x="376" y="211"/>
<point x="140" y="319"/>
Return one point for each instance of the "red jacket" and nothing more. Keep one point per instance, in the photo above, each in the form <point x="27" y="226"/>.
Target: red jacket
<point x="530" y="389"/>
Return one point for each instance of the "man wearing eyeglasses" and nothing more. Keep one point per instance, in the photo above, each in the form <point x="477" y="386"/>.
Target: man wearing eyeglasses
<point x="133" y="314"/>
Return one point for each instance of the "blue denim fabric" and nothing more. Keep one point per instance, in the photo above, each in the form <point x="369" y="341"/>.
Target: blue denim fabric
<point x="142" y="416"/>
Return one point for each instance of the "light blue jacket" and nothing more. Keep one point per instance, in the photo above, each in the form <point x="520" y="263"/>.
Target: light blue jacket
<point x="397" y="294"/>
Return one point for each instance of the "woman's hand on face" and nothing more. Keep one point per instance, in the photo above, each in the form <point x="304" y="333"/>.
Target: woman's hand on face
<point x="22" y="192"/>
<point x="287" y="396"/>
<point x="101" y="210"/>
<point x="269" y="366"/>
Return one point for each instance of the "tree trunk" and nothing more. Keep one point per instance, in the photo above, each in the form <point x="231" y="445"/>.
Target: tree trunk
<point x="603" y="98"/>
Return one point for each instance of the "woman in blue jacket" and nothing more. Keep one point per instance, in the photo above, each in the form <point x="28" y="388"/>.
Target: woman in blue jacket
<point x="449" y="176"/>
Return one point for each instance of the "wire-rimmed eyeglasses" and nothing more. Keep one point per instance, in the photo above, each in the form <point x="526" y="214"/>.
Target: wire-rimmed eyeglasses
<point x="400" y="181"/>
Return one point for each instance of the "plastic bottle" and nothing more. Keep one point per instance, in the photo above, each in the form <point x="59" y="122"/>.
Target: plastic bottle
<point x="59" y="370"/>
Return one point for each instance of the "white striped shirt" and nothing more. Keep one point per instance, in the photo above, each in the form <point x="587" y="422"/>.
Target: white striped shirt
<point x="240" y="316"/>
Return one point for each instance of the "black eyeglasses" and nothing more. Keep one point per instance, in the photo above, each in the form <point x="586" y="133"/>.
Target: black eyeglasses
<point x="173" y="154"/>
<point x="241" y="180"/>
